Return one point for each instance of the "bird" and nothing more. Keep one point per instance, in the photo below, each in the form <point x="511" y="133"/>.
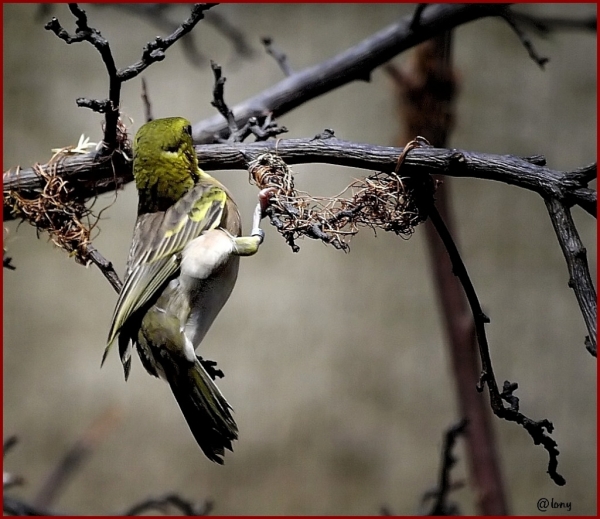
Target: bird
<point x="182" y="266"/>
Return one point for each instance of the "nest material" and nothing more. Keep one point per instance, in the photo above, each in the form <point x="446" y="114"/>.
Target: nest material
<point x="385" y="201"/>
<point x="57" y="210"/>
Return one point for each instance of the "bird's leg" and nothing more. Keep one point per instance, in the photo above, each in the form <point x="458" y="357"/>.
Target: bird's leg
<point x="210" y="366"/>
<point x="248" y="245"/>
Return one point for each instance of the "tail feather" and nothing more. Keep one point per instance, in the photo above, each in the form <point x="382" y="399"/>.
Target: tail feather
<point x="204" y="408"/>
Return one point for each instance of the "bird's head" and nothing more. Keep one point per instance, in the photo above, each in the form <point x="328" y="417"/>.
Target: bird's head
<point x="165" y="165"/>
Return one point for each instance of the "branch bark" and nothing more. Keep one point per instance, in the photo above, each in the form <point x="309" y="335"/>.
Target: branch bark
<point x="92" y="176"/>
<point x="580" y="279"/>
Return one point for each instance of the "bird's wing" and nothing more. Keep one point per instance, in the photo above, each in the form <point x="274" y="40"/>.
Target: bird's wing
<point x="158" y="238"/>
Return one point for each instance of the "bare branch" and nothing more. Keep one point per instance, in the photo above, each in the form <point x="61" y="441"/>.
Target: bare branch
<point x="441" y="505"/>
<point x="356" y="63"/>
<point x="261" y="130"/>
<point x="575" y="254"/>
<point x="416" y="20"/>
<point x="219" y="103"/>
<point x="99" y="177"/>
<point x="154" y="51"/>
<point x="109" y="106"/>
<point x="537" y="430"/>
<point x="507" y="15"/>
<point x="106" y="267"/>
<point x="146" y="101"/>
<point x="81" y="449"/>
<point x="545" y="25"/>
<point x="280" y="57"/>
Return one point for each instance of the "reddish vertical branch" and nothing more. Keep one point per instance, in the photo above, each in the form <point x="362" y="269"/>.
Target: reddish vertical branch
<point x="426" y="92"/>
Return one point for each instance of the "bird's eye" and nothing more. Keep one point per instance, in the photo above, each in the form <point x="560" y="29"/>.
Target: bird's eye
<point x="188" y="130"/>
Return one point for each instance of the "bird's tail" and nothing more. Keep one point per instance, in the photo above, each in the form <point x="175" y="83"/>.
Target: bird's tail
<point x="204" y="407"/>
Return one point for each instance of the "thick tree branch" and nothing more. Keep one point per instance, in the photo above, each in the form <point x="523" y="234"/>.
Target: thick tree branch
<point x="91" y="177"/>
<point x="356" y="63"/>
<point x="575" y="254"/>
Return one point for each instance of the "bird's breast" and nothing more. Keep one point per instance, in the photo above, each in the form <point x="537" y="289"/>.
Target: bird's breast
<point x="207" y="254"/>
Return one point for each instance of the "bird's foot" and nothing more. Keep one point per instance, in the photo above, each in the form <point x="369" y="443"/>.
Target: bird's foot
<point x="210" y="366"/>
<point x="264" y="199"/>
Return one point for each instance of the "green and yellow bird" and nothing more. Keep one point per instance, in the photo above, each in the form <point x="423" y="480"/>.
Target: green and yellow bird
<point x="182" y="266"/>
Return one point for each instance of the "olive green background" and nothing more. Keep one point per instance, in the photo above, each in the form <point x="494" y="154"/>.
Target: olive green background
<point x="336" y="364"/>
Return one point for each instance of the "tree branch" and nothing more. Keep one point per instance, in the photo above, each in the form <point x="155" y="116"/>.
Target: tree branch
<point x="441" y="505"/>
<point x="154" y="51"/>
<point x="356" y="63"/>
<point x="537" y="430"/>
<point x="575" y="254"/>
<point x="507" y="15"/>
<point x="92" y="177"/>
<point x="280" y="57"/>
<point x="80" y="450"/>
<point x="544" y="25"/>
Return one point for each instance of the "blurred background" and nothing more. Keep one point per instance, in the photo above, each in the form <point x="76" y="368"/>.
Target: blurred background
<point x="336" y="364"/>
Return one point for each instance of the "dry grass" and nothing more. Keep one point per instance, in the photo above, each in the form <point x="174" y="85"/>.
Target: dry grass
<point x="387" y="201"/>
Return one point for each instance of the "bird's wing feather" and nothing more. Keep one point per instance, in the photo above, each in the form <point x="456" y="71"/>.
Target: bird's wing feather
<point x="157" y="241"/>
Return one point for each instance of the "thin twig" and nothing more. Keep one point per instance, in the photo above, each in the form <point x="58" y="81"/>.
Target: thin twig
<point x="580" y="279"/>
<point x="153" y="51"/>
<point x="146" y="101"/>
<point x="537" y="430"/>
<point x="106" y="267"/>
<point x="545" y="25"/>
<point x="156" y="14"/>
<point x="441" y="505"/>
<point x="219" y="102"/>
<point x="280" y="57"/>
<point x="506" y="14"/>
<point x="81" y="449"/>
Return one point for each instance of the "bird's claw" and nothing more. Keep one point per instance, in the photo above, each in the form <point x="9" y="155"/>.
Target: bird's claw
<point x="264" y="199"/>
<point x="210" y="366"/>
